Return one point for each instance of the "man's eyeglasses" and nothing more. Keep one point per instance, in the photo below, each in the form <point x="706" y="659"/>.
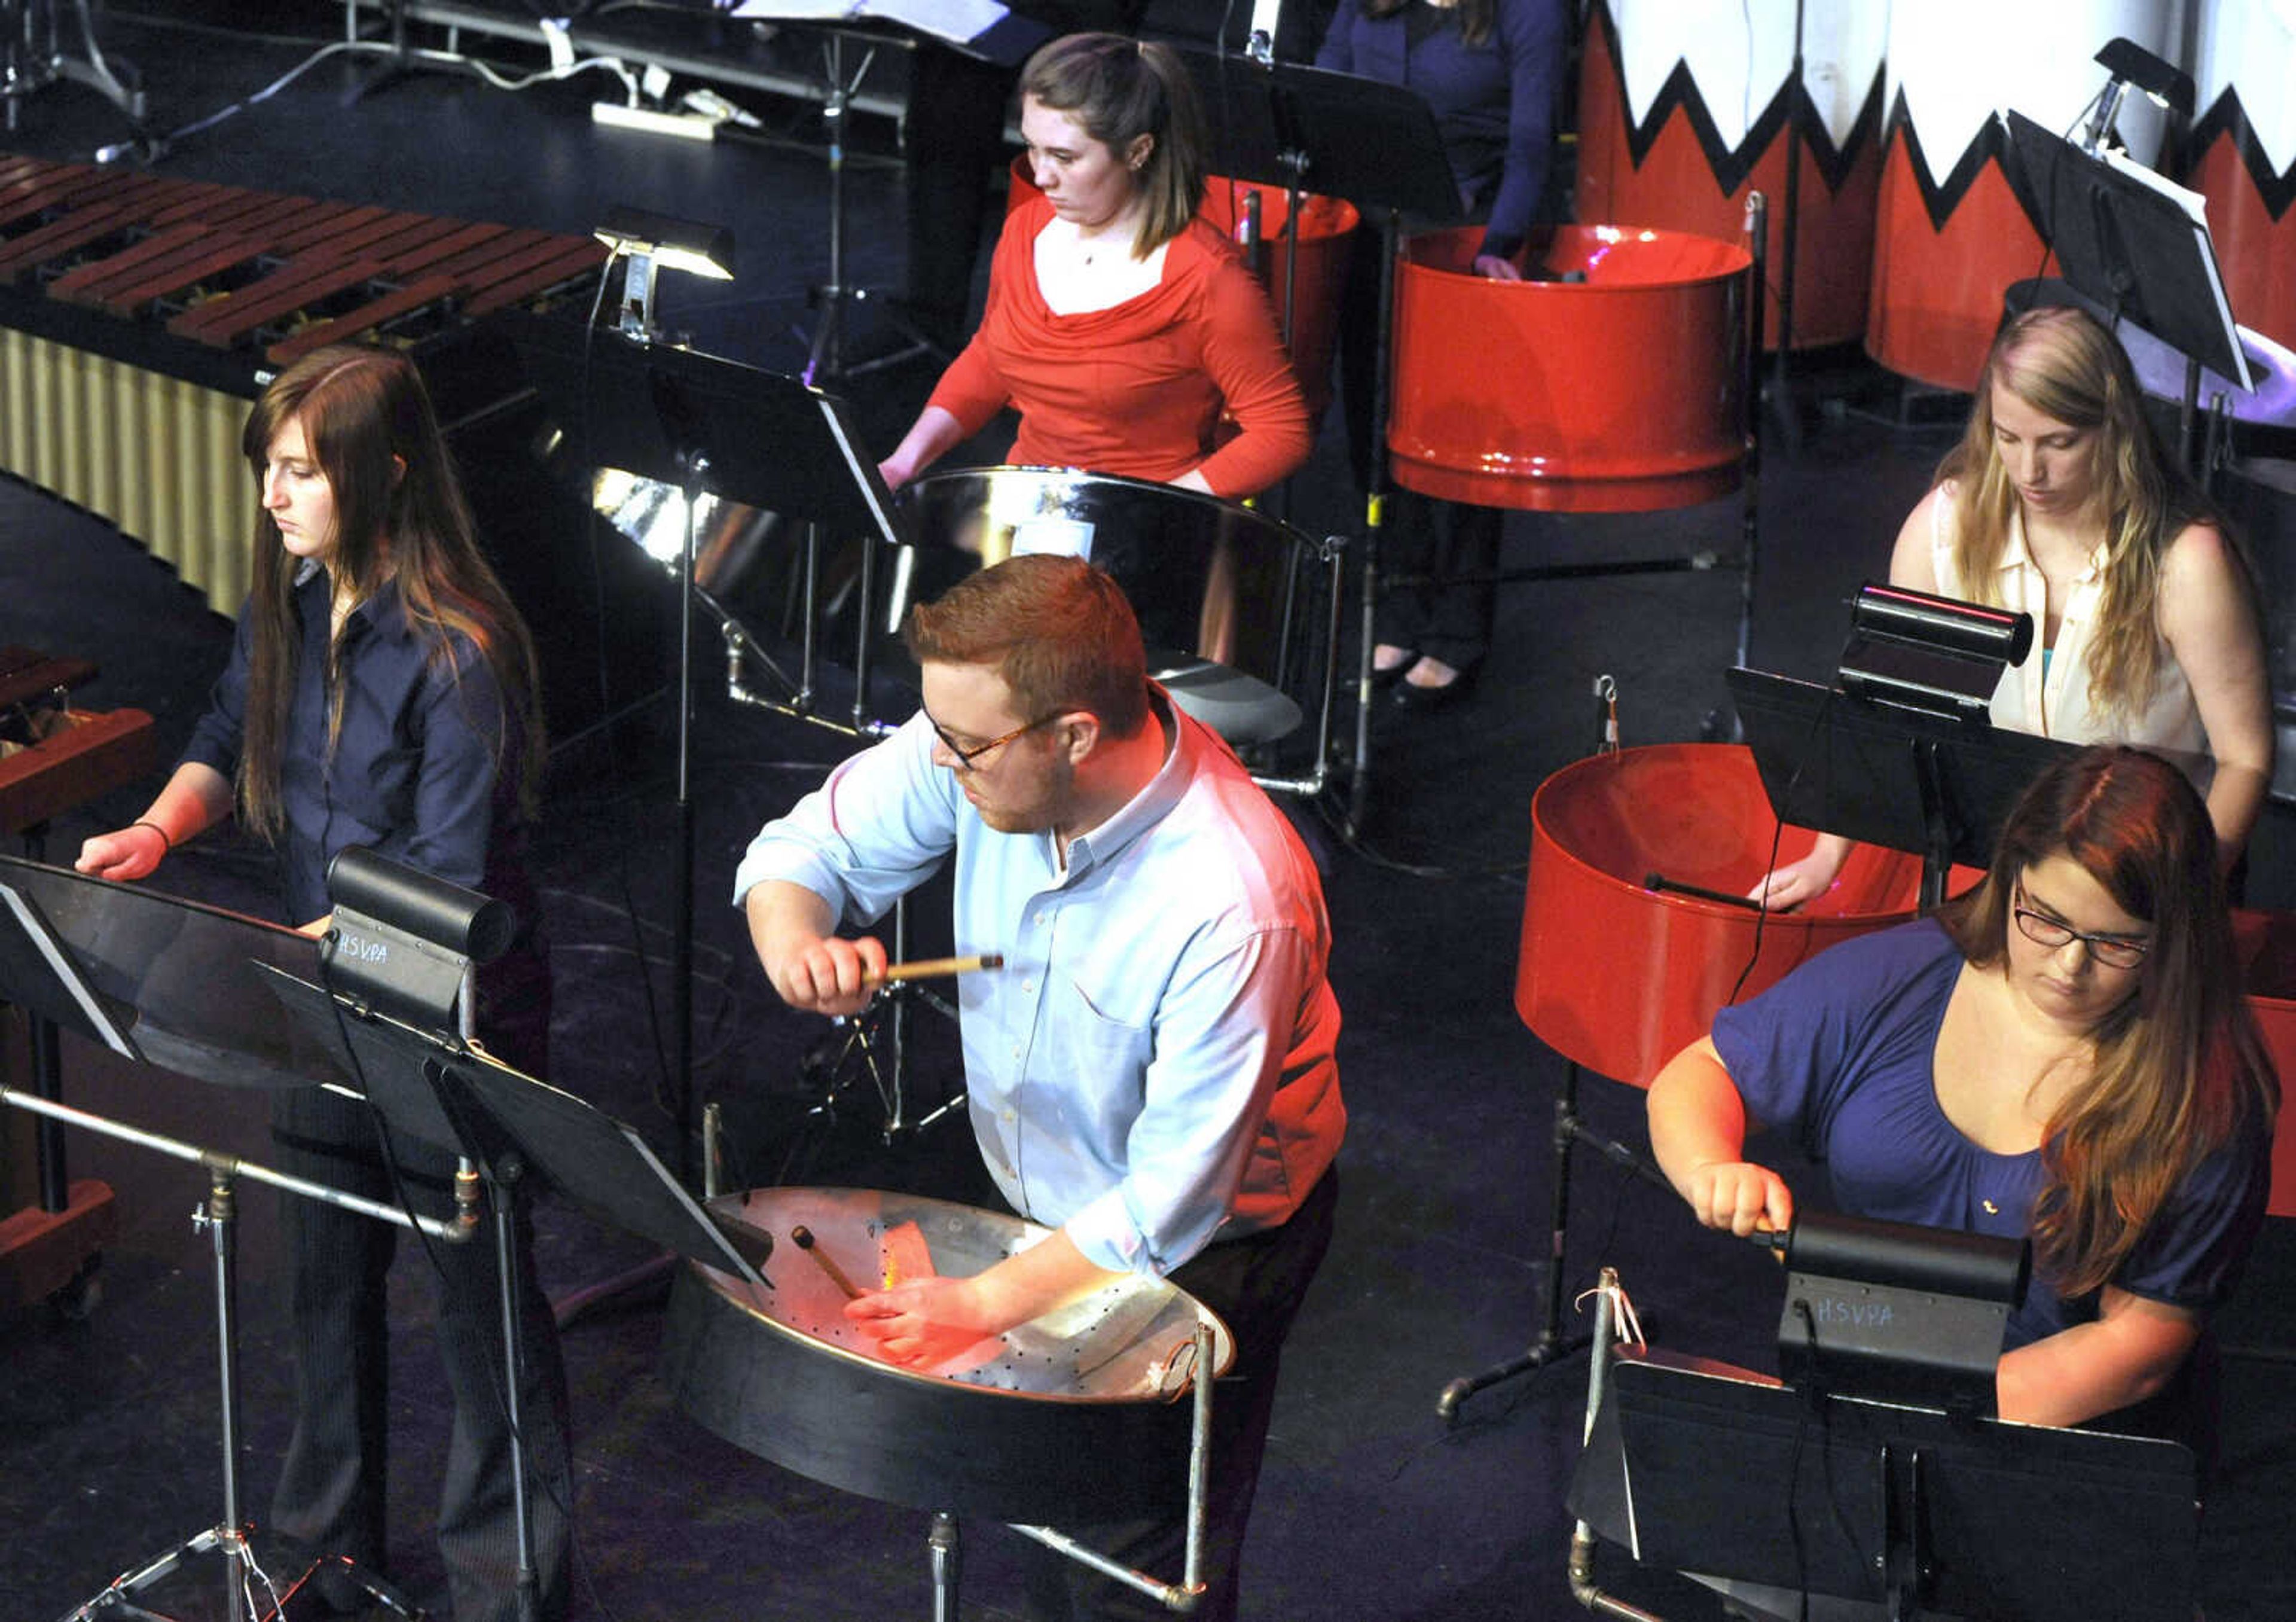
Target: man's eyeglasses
<point x="966" y="757"/>
<point x="2113" y="951"/>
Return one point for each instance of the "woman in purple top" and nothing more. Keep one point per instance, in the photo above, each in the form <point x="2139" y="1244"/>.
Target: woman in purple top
<point x="1491" y="72"/>
<point x="2063" y="1053"/>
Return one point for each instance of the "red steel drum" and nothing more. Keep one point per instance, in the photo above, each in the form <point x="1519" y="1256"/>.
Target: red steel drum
<point x="1618" y="977"/>
<point x="1950" y="234"/>
<point x="2242" y="152"/>
<point x="1674" y="137"/>
<point x="2266" y="942"/>
<point x="1326" y="224"/>
<point x="1621" y="393"/>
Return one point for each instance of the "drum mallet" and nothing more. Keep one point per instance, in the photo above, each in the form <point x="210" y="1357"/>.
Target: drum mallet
<point x="802" y="1238"/>
<point x="928" y="969"/>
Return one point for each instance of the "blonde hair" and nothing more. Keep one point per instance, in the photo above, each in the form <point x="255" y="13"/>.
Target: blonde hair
<point x="2063" y="363"/>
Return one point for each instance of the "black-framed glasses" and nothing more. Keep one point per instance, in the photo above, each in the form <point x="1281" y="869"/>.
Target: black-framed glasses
<point x="2113" y="951"/>
<point x="966" y="757"/>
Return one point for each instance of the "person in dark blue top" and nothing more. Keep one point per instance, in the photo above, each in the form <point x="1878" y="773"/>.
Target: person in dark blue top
<point x="381" y="692"/>
<point x="2064" y="1052"/>
<point x="1491" y="72"/>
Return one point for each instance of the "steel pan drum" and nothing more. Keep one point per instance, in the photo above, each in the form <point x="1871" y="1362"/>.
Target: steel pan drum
<point x="1075" y="1415"/>
<point x="1212" y="582"/>
<point x="1619" y="977"/>
<point x="1622" y="392"/>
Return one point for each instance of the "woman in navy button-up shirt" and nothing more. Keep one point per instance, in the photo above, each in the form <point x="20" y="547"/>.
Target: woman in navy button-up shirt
<point x="381" y="692"/>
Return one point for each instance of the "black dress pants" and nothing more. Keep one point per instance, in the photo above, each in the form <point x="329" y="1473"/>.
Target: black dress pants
<point x="332" y="1486"/>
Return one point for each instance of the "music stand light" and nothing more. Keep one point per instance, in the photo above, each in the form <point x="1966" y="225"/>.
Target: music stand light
<point x="2133" y="67"/>
<point x="1897" y="1312"/>
<point x="646" y="243"/>
<point x="1932" y="653"/>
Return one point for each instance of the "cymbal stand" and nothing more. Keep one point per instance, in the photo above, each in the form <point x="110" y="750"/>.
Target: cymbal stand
<point x="945" y="1541"/>
<point x="883" y="1026"/>
<point x="32" y="57"/>
<point x="217" y="1218"/>
<point x="825" y="360"/>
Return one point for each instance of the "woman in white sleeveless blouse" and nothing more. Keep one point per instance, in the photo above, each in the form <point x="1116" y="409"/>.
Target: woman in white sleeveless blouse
<point x="2059" y="502"/>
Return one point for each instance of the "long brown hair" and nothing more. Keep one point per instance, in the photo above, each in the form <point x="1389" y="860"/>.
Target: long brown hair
<point x="2063" y="363"/>
<point x="399" y="519"/>
<point x="1476" y="17"/>
<point x="2179" y="1068"/>
<point x="1118" y="90"/>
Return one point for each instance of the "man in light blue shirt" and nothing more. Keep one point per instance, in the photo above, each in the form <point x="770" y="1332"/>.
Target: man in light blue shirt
<point x="1152" y="1072"/>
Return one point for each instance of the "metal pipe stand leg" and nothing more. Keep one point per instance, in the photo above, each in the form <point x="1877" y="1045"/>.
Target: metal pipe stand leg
<point x="947" y="1564"/>
<point x="1551" y="1344"/>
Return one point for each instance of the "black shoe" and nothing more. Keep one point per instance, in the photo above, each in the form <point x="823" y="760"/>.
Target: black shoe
<point x="1411" y="695"/>
<point x="1382" y="680"/>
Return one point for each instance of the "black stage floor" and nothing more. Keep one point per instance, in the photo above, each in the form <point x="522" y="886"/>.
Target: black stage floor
<point x="1370" y="1506"/>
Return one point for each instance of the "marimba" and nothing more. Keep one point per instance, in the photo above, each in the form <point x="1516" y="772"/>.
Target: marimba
<point x="53" y="758"/>
<point x="140" y="313"/>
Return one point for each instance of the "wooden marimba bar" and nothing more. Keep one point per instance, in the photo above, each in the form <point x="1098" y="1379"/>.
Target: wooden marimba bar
<point x="140" y="313"/>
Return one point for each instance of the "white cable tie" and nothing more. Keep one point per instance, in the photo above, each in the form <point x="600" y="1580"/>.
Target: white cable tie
<point x="1625" y="1325"/>
<point x="558" y="34"/>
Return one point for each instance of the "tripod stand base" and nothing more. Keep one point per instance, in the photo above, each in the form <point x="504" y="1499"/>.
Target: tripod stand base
<point x="125" y="1596"/>
<point x="1549" y="1347"/>
<point x="336" y="1579"/>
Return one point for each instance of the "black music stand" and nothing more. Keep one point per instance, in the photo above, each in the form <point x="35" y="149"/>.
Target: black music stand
<point x="1370" y="143"/>
<point x="711" y="426"/>
<point x="2128" y="243"/>
<point x="1898" y="1511"/>
<point x="430" y="1086"/>
<point x="1007" y="41"/>
<point x="167" y="982"/>
<point x="1886" y="775"/>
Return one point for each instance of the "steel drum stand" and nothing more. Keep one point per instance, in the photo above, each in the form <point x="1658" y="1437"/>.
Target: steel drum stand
<point x="1367" y="142"/>
<point x="945" y="1542"/>
<point x="709" y="426"/>
<point x="1551" y="1344"/>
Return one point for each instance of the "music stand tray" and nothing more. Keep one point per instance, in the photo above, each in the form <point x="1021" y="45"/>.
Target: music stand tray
<point x="433" y="1089"/>
<point x="1900" y="1511"/>
<point x="1338" y="135"/>
<point x="2127" y="242"/>
<point x="1889" y="776"/>
<point x="153" y="977"/>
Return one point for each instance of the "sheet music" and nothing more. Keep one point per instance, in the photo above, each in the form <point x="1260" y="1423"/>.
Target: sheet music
<point x="2195" y="209"/>
<point x="958" y="21"/>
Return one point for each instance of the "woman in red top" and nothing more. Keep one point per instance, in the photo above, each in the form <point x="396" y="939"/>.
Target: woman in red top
<point x="1119" y="324"/>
